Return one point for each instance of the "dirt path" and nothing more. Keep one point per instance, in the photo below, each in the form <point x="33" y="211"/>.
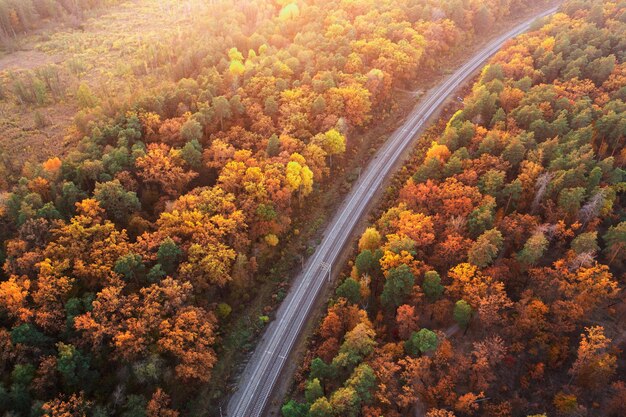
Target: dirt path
<point x="30" y="59"/>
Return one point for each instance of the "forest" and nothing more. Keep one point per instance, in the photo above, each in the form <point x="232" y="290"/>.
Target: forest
<point x="492" y="284"/>
<point x="126" y="257"/>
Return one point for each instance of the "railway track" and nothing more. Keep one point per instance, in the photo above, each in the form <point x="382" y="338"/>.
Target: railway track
<point x="268" y="360"/>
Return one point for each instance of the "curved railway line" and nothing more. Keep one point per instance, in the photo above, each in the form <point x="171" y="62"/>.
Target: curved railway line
<point x="264" y="368"/>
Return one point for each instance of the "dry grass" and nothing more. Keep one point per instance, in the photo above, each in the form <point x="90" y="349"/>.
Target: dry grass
<point x="105" y="52"/>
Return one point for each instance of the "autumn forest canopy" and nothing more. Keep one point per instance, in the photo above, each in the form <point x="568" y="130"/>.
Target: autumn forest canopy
<point x="492" y="286"/>
<point x="162" y="163"/>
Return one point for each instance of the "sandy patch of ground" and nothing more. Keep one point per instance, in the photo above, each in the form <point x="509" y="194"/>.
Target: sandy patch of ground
<point x="27" y="60"/>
